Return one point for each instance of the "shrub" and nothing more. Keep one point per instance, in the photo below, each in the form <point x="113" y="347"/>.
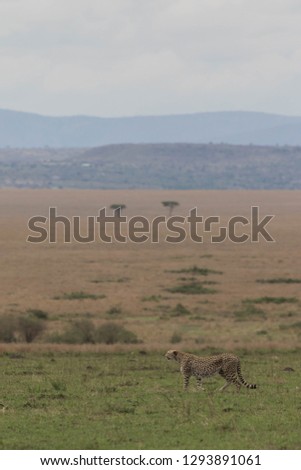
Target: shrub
<point x="262" y="332"/>
<point x="8" y="327"/>
<point x="151" y="298"/>
<point x="280" y="280"/>
<point x="247" y="311"/>
<point x="79" y="295"/>
<point x="192" y="288"/>
<point x="176" y="338"/>
<point x="41" y="314"/>
<point x="199" y="340"/>
<point x="196" y="270"/>
<point x="180" y="310"/>
<point x="273" y="300"/>
<point x="80" y="332"/>
<point x="58" y="385"/>
<point x="84" y="331"/>
<point x="30" y="328"/>
<point x="115" y="310"/>
<point x="111" y="333"/>
<point x="292" y="325"/>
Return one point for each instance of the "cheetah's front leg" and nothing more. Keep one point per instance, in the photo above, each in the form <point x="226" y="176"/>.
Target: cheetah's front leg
<point x="199" y="383"/>
<point x="186" y="381"/>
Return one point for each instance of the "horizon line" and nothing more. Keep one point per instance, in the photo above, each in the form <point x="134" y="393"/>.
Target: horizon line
<point x="133" y="116"/>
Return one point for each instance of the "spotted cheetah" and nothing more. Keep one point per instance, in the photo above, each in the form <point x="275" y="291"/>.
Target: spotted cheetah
<point x="227" y="365"/>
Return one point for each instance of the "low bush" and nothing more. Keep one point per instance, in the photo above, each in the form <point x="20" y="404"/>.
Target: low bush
<point x="84" y="331"/>
<point x="30" y="327"/>
<point x="279" y="280"/>
<point x="8" y="329"/>
<point x="23" y="328"/>
<point x="151" y="298"/>
<point x="192" y="288"/>
<point x="180" y="310"/>
<point x="272" y="300"/>
<point x="197" y="271"/>
<point x="249" y="311"/>
<point x="176" y="338"/>
<point x="80" y="332"/>
<point x="115" y="310"/>
<point x="41" y="314"/>
<point x="111" y="333"/>
<point x="79" y="295"/>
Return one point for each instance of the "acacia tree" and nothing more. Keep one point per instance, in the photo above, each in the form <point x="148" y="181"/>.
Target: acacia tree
<point x="117" y="208"/>
<point x="171" y="205"/>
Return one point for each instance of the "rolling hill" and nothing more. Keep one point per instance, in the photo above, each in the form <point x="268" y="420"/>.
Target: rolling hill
<point x="19" y="129"/>
<point x="156" y="166"/>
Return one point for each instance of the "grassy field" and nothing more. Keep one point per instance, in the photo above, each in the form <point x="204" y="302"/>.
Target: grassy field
<point x="135" y="401"/>
<point x="158" y="291"/>
<point x="83" y="327"/>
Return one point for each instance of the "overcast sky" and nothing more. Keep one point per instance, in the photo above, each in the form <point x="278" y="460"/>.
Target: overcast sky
<point x="146" y="57"/>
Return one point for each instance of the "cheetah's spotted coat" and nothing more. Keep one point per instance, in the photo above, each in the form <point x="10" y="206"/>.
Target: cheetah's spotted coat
<point x="227" y="365"/>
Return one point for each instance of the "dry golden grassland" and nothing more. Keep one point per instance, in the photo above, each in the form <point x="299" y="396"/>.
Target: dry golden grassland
<point x="131" y="281"/>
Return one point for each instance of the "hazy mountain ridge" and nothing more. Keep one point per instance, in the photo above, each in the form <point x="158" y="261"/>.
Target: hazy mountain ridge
<point x="20" y="129"/>
<point x="157" y="166"/>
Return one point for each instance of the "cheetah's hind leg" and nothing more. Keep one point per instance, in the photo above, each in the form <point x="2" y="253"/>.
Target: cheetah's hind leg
<point x="224" y="386"/>
<point x="234" y="382"/>
<point x="229" y="381"/>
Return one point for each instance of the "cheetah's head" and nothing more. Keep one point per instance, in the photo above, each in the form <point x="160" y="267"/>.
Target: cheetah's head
<point x="171" y="354"/>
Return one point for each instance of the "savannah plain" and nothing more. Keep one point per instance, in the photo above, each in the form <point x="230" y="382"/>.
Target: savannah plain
<point x="199" y="297"/>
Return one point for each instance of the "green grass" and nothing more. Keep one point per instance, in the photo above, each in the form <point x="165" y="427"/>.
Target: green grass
<point x="196" y="270"/>
<point x="38" y="313"/>
<point x="293" y="325"/>
<point x="191" y="288"/>
<point x="118" y="280"/>
<point x="151" y="298"/>
<point x="179" y="311"/>
<point x="79" y="295"/>
<point x="248" y="311"/>
<point x="272" y="300"/>
<point x="135" y="401"/>
<point x="113" y="311"/>
<point x="279" y="280"/>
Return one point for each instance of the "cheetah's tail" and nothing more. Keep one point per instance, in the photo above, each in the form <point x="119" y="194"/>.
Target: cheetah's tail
<point x="242" y="380"/>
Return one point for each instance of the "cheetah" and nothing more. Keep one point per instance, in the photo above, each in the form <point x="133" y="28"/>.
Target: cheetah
<point x="226" y="365"/>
